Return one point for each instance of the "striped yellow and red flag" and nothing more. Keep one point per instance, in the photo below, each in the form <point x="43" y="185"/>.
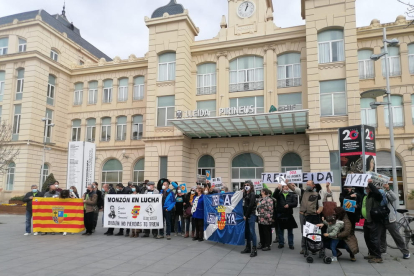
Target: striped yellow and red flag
<point x="58" y="215"/>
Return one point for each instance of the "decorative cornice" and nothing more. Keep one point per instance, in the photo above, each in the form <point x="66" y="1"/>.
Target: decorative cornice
<point x="324" y="66"/>
<point x="222" y="54"/>
<point x="271" y="47"/>
<point x="165" y="83"/>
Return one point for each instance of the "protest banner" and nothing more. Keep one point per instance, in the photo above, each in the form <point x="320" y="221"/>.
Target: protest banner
<point x="357" y="180"/>
<point x="309" y="228"/>
<point x="201" y="179"/>
<point x="272" y="178"/>
<point x="223" y="218"/>
<point x="318" y="177"/>
<point x="57" y="215"/>
<point x="133" y="211"/>
<point x="349" y="205"/>
<point x="294" y="176"/>
<point x="208" y="175"/>
<point x="216" y="182"/>
<point x="379" y="179"/>
<point x="258" y="185"/>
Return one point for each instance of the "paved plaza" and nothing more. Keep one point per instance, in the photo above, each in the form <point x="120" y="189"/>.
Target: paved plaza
<point x="120" y="256"/>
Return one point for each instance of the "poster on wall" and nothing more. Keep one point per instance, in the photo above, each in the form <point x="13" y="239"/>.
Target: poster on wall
<point x="133" y="211"/>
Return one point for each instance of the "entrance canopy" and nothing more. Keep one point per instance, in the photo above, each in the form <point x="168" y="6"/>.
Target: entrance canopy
<point x="286" y="122"/>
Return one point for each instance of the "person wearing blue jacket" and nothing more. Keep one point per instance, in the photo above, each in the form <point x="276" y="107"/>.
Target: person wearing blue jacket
<point x="198" y="214"/>
<point x="168" y="203"/>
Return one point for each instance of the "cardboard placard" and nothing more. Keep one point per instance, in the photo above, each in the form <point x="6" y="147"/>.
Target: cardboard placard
<point x="318" y="177"/>
<point x="349" y="205"/>
<point x="272" y="178"/>
<point x="201" y="179"/>
<point x="216" y="182"/>
<point x="294" y="176"/>
<point x="258" y="185"/>
<point x="357" y="180"/>
<point x="379" y="179"/>
<point x="312" y="228"/>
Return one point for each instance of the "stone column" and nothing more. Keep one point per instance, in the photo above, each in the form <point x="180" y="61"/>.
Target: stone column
<point x="223" y="80"/>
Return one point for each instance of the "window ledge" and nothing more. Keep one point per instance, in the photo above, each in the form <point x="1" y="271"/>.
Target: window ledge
<point x="331" y="65"/>
<point x="165" y="83"/>
<point x="164" y="129"/>
<point x="334" y="119"/>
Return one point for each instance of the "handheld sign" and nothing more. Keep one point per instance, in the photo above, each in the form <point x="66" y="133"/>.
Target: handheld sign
<point x="318" y="177"/>
<point x="183" y="188"/>
<point x="379" y="179"/>
<point x="272" y="178"/>
<point x="258" y="185"/>
<point x="349" y="205"/>
<point x="216" y="182"/>
<point x="201" y="179"/>
<point x="357" y="180"/>
<point x="294" y="176"/>
<point x="208" y="175"/>
<point x="310" y="228"/>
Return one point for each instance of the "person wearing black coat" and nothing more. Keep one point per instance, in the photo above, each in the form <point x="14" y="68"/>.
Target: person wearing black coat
<point x="99" y="205"/>
<point x="28" y="199"/>
<point x="249" y="211"/>
<point x="286" y="200"/>
<point x="120" y="190"/>
<point x="351" y="194"/>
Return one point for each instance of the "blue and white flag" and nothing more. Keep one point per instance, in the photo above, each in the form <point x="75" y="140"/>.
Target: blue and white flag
<point x="223" y="218"/>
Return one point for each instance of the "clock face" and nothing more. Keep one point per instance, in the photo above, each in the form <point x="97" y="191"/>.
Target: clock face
<point x="246" y="9"/>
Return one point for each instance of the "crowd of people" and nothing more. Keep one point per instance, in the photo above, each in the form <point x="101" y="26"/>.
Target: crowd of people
<point x="183" y="214"/>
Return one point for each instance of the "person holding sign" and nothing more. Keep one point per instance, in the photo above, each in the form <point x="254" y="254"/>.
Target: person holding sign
<point x="310" y="207"/>
<point x="350" y="194"/>
<point x="249" y="210"/>
<point x="286" y="201"/>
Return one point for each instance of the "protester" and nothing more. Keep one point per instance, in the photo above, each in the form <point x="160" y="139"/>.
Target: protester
<point x="347" y="239"/>
<point x="119" y="190"/>
<point x="249" y="209"/>
<point x="73" y="192"/>
<point x="52" y="192"/>
<point x="186" y="214"/>
<point x="106" y="189"/>
<point x="64" y="194"/>
<point x="179" y="212"/>
<point x="285" y="202"/>
<point x="57" y="186"/>
<point x="391" y="225"/>
<point x="99" y="204"/>
<point x="265" y="219"/>
<point x="310" y="206"/>
<point x="128" y="189"/>
<point x="334" y="228"/>
<point x="372" y="228"/>
<point x="197" y="211"/>
<point x="134" y="232"/>
<point x="191" y="196"/>
<point x="350" y="194"/>
<point x="90" y="199"/>
<point x="28" y="199"/>
<point x="150" y="189"/>
<point x="168" y="203"/>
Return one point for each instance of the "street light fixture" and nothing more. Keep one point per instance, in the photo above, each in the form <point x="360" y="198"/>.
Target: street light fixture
<point x="381" y="92"/>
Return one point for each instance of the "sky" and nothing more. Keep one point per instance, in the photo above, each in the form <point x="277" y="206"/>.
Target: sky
<point x="118" y="29"/>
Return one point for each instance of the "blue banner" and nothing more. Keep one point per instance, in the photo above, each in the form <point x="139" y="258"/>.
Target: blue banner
<point x="223" y="218"/>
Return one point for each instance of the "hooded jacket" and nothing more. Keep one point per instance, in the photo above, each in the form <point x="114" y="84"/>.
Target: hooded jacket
<point x="391" y="197"/>
<point x="334" y="229"/>
<point x="29" y="201"/>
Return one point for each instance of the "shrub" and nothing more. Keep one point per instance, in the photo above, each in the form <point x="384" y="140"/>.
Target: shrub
<point x="49" y="180"/>
<point x="20" y="198"/>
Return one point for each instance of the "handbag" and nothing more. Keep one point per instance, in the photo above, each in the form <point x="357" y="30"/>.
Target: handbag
<point x="329" y="207"/>
<point x="187" y="212"/>
<point x="380" y="213"/>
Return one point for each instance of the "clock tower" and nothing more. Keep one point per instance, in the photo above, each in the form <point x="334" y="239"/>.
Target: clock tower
<point x="249" y="17"/>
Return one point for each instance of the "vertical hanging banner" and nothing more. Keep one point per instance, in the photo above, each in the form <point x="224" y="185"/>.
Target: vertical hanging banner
<point x="357" y="150"/>
<point x="89" y="152"/>
<point x="223" y="218"/>
<point x="81" y="165"/>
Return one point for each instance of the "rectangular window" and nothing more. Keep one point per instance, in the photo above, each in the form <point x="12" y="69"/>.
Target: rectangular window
<point x="393" y="62"/>
<point x="121" y="128"/>
<point x="397" y="111"/>
<point x="16" y="121"/>
<point x="166" y="67"/>
<point x="333" y="98"/>
<point x="366" y="69"/>
<point x="51" y="90"/>
<point x="246" y="74"/>
<point x="166" y="110"/>
<point x="20" y="84"/>
<point x="2" y="83"/>
<point x="93" y="92"/>
<point x="54" y="55"/>
<point x="22" y="45"/>
<point x="331" y="46"/>
<point x="76" y="130"/>
<point x="207" y="105"/>
<point x="256" y="102"/>
<point x="78" y="94"/>
<point x="138" y="89"/>
<point x="48" y="127"/>
<point x="107" y="91"/>
<point x="106" y="129"/>
<point x="90" y="130"/>
<point x="163" y="166"/>
<point x="206" y="79"/>
<point x="368" y="115"/>
<point x="123" y="90"/>
<point x="335" y="167"/>
<point x="4" y="44"/>
<point x="291" y="99"/>
<point x="137" y="127"/>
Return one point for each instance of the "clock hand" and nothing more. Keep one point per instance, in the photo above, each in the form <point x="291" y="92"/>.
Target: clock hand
<point x="246" y="7"/>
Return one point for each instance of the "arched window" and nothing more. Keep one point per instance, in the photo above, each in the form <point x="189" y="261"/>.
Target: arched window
<point x="123" y="90"/>
<point x="411" y="58"/>
<point x="291" y="161"/>
<point x="76" y="130"/>
<point x="93" y="92"/>
<point x="397" y="108"/>
<point x="139" y="85"/>
<point x="45" y="172"/>
<point x="331" y="46"/>
<point x="393" y="61"/>
<point x="2" y="79"/>
<point x="206" y="163"/>
<point x="289" y="70"/>
<point x="166" y="67"/>
<point x="106" y="129"/>
<point x="112" y="172"/>
<point x="10" y="176"/>
<point x="206" y="79"/>
<point x="137" y="127"/>
<point x="384" y="166"/>
<point x="139" y="171"/>
<point x="365" y="65"/>
<point x="107" y="91"/>
<point x="368" y="115"/>
<point x="4" y="45"/>
<point x="90" y="130"/>
<point x="51" y="90"/>
<point x="78" y="94"/>
<point x="20" y="84"/>
<point x="246" y="73"/>
<point x="121" y="124"/>
<point x="22" y="45"/>
<point x="246" y="166"/>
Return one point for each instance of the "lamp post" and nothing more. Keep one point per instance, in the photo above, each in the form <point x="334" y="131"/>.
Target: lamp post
<point x="47" y="125"/>
<point x="374" y="105"/>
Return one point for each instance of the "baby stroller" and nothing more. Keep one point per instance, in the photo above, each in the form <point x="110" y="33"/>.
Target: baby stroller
<point x="314" y="247"/>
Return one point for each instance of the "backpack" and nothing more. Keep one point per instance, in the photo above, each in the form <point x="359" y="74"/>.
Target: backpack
<point x="381" y="213"/>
